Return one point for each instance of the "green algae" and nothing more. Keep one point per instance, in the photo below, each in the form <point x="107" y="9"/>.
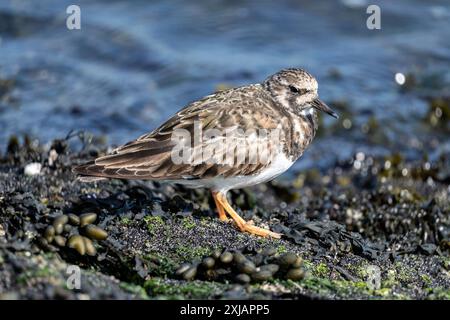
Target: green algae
<point x="188" y="223"/>
<point x="186" y="253"/>
<point x="137" y="290"/>
<point x="281" y="249"/>
<point x="40" y="272"/>
<point x="153" y="223"/>
<point x="321" y="270"/>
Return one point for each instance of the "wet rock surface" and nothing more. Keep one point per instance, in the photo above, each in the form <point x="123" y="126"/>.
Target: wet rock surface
<point x="366" y="228"/>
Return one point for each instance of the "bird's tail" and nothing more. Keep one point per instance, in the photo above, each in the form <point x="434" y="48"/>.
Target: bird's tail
<point x="88" y="173"/>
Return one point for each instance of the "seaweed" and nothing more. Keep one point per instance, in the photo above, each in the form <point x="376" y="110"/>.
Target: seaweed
<point x="344" y="222"/>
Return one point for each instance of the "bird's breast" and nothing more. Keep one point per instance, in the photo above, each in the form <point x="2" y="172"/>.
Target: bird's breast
<point x="303" y="130"/>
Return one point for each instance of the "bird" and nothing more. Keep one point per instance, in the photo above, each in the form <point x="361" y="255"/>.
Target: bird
<point x="285" y="103"/>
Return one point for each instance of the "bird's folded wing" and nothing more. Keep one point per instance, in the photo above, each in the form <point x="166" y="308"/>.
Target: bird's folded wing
<point x="157" y="155"/>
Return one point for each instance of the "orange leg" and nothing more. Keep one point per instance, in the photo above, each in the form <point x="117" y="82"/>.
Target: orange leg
<point x="243" y="225"/>
<point x="220" y="210"/>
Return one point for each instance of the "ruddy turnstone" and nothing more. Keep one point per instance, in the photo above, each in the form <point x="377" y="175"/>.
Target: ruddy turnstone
<point x="285" y="103"/>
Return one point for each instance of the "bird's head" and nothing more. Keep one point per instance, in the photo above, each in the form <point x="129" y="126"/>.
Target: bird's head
<point x="296" y="89"/>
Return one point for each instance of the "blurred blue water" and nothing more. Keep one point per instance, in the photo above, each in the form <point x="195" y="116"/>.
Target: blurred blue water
<point x="134" y="63"/>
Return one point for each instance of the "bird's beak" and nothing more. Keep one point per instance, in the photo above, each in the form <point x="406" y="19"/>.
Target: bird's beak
<point x="320" y="105"/>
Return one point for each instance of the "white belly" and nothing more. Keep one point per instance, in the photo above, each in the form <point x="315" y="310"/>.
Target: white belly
<point x="280" y="164"/>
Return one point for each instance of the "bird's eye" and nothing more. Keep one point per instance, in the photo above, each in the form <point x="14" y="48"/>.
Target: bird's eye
<point x="293" y="89"/>
<point x="298" y="91"/>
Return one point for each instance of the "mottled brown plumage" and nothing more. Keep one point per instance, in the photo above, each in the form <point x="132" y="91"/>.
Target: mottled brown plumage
<point x="286" y="101"/>
<point x="149" y="157"/>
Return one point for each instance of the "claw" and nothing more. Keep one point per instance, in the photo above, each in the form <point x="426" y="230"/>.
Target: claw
<point x="224" y="207"/>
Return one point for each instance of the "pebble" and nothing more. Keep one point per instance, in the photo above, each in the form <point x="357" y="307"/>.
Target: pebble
<point x="64" y="225"/>
<point x="90" y="249"/>
<point x="243" y="278"/>
<point x="49" y="233"/>
<point x="295" y="274"/>
<point x="43" y="242"/>
<point x="95" y="232"/>
<point x="76" y="242"/>
<point x="270" y="267"/>
<point x="208" y="262"/>
<point x="182" y="269"/>
<point x="298" y="262"/>
<point x="59" y="228"/>
<point x="262" y="275"/>
<point x="241" y="268"/>
<point x="59" y="223"/>
<point x="287" y="259"/>
<point x="226" y="257"/>
<point x="32" y="169"/>
<point x="87" y="218"/>
<point x="247" y="266"/>
<point x="239" y="257"/>
<point x="67" y="228"/>
<point x="62" y="219"/>
<point x="60" y="241"/>
<point x="74" y="219"/>
<point x="190" y="273"/>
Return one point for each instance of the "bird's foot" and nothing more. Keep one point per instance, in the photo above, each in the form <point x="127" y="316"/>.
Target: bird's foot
<point x="224" y="207"/>
<point x="250" y="228"/>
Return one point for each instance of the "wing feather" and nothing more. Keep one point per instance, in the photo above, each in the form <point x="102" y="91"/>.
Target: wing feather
<point x="150" y="156"/>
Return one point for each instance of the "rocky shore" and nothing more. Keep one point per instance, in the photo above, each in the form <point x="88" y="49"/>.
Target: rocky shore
<point x="364" y="228"/>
